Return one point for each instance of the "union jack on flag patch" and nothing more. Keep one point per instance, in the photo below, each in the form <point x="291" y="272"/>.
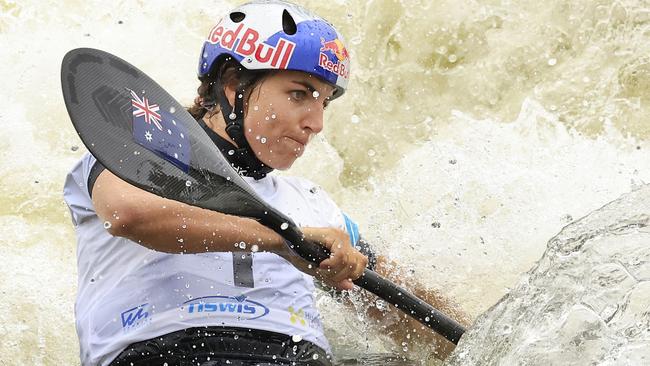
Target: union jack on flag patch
<point x="158" y="131"/>
<point x="141" y="107"/>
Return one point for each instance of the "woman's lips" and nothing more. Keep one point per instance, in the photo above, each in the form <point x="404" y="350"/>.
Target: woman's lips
<point x="303" y="144"/>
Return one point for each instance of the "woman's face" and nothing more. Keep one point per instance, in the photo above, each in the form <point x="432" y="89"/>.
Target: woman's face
<point x="284" y="112"/>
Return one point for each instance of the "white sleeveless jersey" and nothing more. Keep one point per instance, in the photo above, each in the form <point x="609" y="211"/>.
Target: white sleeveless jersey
<point x="128" y="293"/>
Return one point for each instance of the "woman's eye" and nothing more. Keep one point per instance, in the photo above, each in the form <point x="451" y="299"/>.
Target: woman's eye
<point x="298" y="94"/>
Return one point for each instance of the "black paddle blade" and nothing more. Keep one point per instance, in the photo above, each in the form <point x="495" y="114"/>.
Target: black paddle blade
<point x="142" y="135"/>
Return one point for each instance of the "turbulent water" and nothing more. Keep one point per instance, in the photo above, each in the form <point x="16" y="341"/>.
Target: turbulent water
<point x="585" y="302"/>
<point x="473" y="132"/>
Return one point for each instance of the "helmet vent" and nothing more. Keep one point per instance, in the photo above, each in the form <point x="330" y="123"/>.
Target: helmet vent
<point x="237" y="16"/>
<point x="288" y="24"/>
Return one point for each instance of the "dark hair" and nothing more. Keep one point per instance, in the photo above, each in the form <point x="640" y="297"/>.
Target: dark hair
<point x="225" y="72"/>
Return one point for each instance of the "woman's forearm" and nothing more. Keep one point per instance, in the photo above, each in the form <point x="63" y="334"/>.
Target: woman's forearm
<point x="174" y="227"/>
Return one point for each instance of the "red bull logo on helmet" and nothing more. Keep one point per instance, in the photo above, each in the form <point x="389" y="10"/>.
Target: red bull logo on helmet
<point x="339" y="66"/>
<point x="245" y="42"/>
<point x="337" y="47"/>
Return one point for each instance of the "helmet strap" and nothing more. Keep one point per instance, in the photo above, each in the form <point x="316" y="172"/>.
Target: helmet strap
<point x="245" y="160"/>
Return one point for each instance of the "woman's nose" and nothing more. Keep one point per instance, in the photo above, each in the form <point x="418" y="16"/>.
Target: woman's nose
<point x="313" y="119"/>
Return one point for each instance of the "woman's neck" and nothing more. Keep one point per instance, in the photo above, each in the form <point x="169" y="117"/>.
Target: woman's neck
<point x="216" y="123"/>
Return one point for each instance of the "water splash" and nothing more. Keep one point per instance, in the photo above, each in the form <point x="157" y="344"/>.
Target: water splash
<point x="585" y="302"/>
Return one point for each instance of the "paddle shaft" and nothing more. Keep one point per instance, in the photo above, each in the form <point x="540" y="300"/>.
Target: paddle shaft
<point x="375" y="283"/>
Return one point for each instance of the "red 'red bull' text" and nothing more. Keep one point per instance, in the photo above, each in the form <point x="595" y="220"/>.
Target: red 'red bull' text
<point x="249" y="45"/>
<point x="338" y="68"/>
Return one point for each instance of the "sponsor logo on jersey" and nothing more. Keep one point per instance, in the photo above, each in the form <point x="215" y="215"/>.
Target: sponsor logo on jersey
<point x="246" y="42"/>
<point x="304" y="318"/>
<point x="238" y="306"/>
<point x="135" y="317"/>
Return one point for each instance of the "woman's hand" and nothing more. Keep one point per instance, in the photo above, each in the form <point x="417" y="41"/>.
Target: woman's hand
<point x="345" y="263"/>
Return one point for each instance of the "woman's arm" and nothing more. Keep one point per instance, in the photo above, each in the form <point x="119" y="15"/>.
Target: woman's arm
<point x="174" y="227"/>
<point x="405" y="330"/>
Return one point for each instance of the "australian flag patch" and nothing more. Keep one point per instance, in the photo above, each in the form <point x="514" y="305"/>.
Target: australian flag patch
<point x="158" y="131"/>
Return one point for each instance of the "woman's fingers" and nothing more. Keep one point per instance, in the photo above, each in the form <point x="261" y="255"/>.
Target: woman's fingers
<point x="345" y="263"/>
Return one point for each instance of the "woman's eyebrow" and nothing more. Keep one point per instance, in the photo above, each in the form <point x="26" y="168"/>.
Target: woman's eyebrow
<point x="305" y="84"/>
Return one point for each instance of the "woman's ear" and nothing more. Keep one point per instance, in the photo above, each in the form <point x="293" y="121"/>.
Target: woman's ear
<point x="230" y="89"/>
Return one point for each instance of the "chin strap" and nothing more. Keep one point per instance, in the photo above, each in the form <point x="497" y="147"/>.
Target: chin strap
<point x="242" y="157"/>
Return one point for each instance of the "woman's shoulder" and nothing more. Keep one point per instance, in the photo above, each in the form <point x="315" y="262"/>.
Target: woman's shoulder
<point x="294" y="180"/>
<point x="301" y="184"/>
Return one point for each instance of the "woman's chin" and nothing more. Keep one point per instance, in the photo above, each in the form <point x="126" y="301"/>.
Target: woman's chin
<point x="283" y="164"/>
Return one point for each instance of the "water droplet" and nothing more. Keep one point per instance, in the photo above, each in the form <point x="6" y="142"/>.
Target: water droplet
<point x="552" y="61"/>
<point x="315" y="356"/>
<point x="296" y="338"/>
<point x="452" y="58"/>
<point x="380" y="304"/>
<point x="236" y="336"/>
<point x="426" y="319"/>
<point x="273" y="116"/>
<point x="284" y="226"/>
<point x="188" y="183"/>
<point x="255" y="248"/>
<point x="74" y="147"/>
<point x="107" y="225"/>
<point x="172" y="109"/>
<point x="263" y="140"/>
<point x="371" y="153"/>
<point x="232" y="116"/>
<point x="315" y="94"/>
<point x="242" y="245"/>
<point x="231" y="152"/>
<point x="181" y="240"/>
<point x="240" y="96"/>
<point x="354" y="119"/>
